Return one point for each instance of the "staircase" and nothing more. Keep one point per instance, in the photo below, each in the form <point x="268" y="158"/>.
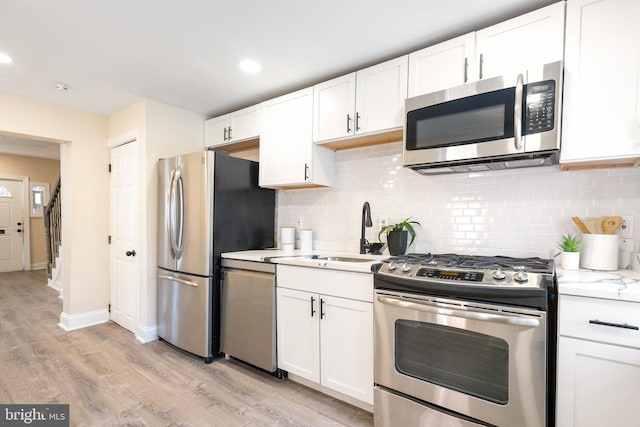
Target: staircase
<point x="53" y="238"/>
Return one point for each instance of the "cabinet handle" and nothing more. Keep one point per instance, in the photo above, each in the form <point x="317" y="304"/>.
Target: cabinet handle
<point x="481" y="64"/>
<point x="224" y="138"/>
<point x="466" y="69"/>
<point x="348" y="123"/>
<point x="230" y="132"/>
<point x="313" y="311"/>
<point x="306" y="172"/>
<point x="357" y="122"/>
<point x="615" y="325"/>
<point x="322" y="308"/>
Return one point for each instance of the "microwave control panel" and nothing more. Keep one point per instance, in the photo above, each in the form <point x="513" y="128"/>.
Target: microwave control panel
<point x="540" y="101"/>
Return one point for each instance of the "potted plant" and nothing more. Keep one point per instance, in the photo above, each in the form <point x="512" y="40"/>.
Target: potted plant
<point x="569" y="252"/>
<point x="398" y="234"/>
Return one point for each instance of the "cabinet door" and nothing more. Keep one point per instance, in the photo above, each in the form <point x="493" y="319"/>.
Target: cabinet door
<point x="298" y="334"/>
<point x="244" y="124"/>
<point x="346" y="336"/>
<point x="216" y="131"/>
<point x="598" y="384"/>
<point x="534" y="38"/>
<point x="601" y="115"/>
<point x="442" y="66"/>
<point x="285" y="139"/>
<point x="380" y="94"/>
<point x="333" y="108"/>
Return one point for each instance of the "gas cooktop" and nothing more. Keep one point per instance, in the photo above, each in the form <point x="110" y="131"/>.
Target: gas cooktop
<point x="494" y="271"/>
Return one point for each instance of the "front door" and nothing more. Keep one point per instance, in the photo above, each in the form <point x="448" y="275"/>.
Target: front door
<point x="11" y="226"/>
<point x="125" y="226"/>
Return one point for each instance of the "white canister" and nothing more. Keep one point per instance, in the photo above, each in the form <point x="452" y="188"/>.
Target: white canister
<point x="599" y="252"/>
<point x="306" y="239"/>
<point x="287" y="237"/>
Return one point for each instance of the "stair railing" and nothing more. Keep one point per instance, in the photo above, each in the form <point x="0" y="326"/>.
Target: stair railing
<point x="53" y="227"/>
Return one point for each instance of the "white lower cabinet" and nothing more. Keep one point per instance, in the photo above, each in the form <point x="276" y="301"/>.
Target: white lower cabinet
<point x="598" y="363"/>
<point x="324" y="337"/>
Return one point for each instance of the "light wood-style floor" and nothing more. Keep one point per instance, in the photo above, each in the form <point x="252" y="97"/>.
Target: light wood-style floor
<point x="110" y="379"/>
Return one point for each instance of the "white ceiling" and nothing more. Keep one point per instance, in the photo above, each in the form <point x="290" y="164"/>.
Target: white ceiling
<point x="186" y="53"/>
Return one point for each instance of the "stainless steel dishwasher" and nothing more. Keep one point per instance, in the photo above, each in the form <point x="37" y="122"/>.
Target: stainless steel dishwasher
<point x="248" y="310"/>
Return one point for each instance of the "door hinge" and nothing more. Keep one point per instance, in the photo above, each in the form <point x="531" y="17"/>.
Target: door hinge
<point x="109" y="239"/>
<point x="109" y="167"/>
<point x="109" y="308"/>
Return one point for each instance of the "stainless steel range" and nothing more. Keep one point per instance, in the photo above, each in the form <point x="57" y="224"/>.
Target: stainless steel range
<point x="464" y="341"/>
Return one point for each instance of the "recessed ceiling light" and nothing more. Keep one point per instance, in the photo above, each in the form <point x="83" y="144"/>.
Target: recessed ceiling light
<point x="62" y="87"/>
<point x="5" y="59"/>
<point x="250" y="66"/>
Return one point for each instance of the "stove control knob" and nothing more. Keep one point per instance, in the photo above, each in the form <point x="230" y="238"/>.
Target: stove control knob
<point x="520" y="276"/>
<point x="499" y="275"/>
<point x="392" y="266"/>
<point x="406" y="267"/>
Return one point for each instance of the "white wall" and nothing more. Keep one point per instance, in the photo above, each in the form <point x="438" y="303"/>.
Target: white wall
<point x="521" y="212"/>
<point x="85" y="209"/>
<point x="163" y="131"/>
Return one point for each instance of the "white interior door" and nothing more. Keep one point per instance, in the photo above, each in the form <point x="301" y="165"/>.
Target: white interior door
<point x="11" y="226"/>
<point x="125" y="226"/>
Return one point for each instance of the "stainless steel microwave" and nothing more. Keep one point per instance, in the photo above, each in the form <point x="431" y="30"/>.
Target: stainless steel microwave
<point x="497" y="123"/>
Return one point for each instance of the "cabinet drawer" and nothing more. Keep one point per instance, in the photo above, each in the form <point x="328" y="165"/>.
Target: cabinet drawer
<point x="345" y="284"/>
<point x="608" y="321"/>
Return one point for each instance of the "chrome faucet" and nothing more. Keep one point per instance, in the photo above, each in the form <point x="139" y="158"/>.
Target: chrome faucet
<point x="366" y="222"/>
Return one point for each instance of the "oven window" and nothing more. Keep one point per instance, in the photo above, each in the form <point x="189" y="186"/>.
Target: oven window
<point x="461" y="360"/>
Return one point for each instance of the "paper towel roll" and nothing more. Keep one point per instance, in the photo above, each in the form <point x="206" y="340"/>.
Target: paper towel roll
<point x="287" y="236"/>
<point x="306" y="239"/>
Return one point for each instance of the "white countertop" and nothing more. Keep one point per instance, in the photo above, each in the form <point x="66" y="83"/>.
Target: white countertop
<point x="262" y="255"/>
<point x="303" y="259"/>
<point x="621" y="285"/>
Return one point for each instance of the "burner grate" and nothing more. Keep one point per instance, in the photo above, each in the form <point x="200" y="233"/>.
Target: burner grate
<point x="533" y="264"/>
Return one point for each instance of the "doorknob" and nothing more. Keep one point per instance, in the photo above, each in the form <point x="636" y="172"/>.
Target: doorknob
<point x="19" y="224"/>
<point x="130" y="253"/>
<point x="19" y="230"/>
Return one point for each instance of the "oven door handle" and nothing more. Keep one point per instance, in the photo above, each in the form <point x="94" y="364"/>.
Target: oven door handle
<point x="485" y="317"/>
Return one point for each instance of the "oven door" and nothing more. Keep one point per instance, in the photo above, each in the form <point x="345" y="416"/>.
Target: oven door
<point x="483" y="361"/>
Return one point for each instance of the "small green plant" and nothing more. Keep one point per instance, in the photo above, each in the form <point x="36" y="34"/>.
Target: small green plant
<point x="400" y="226"/>
<point x="569" y="243"/>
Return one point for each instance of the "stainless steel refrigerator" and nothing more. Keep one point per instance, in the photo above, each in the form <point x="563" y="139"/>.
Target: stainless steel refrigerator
<point x="209" y="203"/>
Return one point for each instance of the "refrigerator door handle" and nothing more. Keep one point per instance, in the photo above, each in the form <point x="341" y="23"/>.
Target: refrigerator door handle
<point x="178" y="280"/>
<point x="176" y="214"/>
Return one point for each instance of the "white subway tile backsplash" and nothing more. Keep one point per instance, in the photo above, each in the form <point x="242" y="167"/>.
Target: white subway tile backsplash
<point x="520" y="212"/>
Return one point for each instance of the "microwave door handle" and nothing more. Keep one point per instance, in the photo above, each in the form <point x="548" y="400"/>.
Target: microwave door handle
<point x="517" y="113"/>
<point x="472" y="315"/>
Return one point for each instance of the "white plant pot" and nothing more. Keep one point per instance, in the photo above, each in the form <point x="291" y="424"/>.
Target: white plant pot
<point x="570" y="260"/>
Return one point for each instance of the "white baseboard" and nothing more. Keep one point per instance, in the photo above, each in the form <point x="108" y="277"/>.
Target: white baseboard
<point x="146" y="334"/>
<point x="54" y="284"/>
<point x="83" y="320"/>
<point x="39" y="266"/>
<point x="333" y="393"/>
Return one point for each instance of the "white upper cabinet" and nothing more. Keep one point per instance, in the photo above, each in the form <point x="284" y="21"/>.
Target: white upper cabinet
<point x="238" y="126"/>
<point x="368" y="101"/>
<point x="511" y="46"/>
<point x="601" y="116"/>
<point x="288" y="157"/>
<point x="442" y="66"/>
